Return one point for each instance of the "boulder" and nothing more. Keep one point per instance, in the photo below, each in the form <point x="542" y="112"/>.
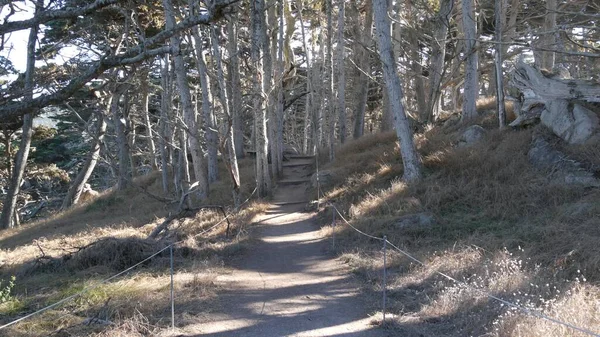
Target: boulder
<point x="561" y="169"/>
<point x="326" y="178"/>
<point x="472" y="134"/>
<point x="417" y="220"/>
<point x="573" y="123"/>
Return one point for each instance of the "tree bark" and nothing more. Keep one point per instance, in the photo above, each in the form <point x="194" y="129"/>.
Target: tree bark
<point x="341" y="46"/>
<point x="415" y="65"/>
<point x="124" y="165"/>
<point x="499" y="19"/>
<point x="228" y="148"/>
<point x="438" y="55"/>
<point x="235" y="88"/>
<point x="548" y="38"/>
<point x="189" y="113"/>
<point x="410" y="157"/>
<point x="263" y="179"/>
<point x="165" y="130"/>
<point x="471" y="88"/>
<point x="210" y="125"/>
<point x="330" y="87"/>
<point x="147" y="123"/>
<point x="365" y="69"/>
<point x="88" y="167"/>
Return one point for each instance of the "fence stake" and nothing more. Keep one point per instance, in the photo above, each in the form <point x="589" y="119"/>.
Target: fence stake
<point x="333" y="225"/>
<point x="172" y="297"/>
<point x="384" y="274"/>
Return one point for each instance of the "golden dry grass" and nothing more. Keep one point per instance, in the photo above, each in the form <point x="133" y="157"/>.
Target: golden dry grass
<point x="57" y="257"/>
<point x="500" y="226"/>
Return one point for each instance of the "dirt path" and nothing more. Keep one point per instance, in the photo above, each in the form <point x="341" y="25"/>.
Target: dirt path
<point x="289" y="284"/>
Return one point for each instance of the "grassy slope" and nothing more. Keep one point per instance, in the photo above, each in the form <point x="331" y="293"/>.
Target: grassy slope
<point x="50" y="262"/>
<point x="499" y="225"/>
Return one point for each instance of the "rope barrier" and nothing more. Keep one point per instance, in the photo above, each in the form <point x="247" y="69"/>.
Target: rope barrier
<point x="87" y="289"/>
<point x="525" y="310"/>
<point x="84" y="290"/>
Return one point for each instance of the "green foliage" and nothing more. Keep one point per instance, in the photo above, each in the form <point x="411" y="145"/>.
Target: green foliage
<point x="6" y="290"/>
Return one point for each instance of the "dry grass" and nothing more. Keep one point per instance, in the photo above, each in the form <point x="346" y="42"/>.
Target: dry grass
<point x="500" y="226"/>
<point x="74" y="250"/>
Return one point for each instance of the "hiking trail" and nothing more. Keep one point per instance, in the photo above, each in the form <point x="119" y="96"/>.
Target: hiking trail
<point x="289" y="283"/>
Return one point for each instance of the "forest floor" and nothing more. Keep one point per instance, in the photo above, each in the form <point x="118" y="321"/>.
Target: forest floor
<point x="289" y="283"/>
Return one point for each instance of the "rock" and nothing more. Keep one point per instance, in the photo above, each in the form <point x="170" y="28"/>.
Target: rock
<point x="573" y="123"/>
<point x="562" y="169"/>
<point x="326" y="178"/>
<point x="418" y="220"/>
<point x="88" y="194"/>
<point x="311" y="206"/>
<point x="472" y="135"/>
<point x="452" y="120"/>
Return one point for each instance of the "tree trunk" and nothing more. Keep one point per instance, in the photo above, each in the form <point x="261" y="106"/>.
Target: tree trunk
<point x="548" y="38"/>
<point x="9" y="217"/>
<point x="124" y="170"/>
<point x="410" y="157"/>
<point x="365" y="69"/>
<point x="263" y="179"/>
<point x="330" y="87"/>
<point x="499" y="19"/>
<point x="416" y="66"/>
<point x="438" y="54"/>
<point x="165" y="130"/>
<point x="86" y="171"/>
<point x="228" y="148"/>
<point x="471" y="88"/>
<point x="189" y="114"/>
<point x="148" y="124"/>
<point x="235" y="88"/>
<point x="210" y="125"/>
<point x="341" y="72"/>
<point x="310" y="98"/>
<point x="278" y="155"/>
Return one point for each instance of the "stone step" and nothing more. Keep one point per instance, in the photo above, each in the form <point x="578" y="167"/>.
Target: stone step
<point x="283" y="203"/>
<point x="293" y="181"/>
<point x="297" y="164"/>
<point x="298" y="156"/>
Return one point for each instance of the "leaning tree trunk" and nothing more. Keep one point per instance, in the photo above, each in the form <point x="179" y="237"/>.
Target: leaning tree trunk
<point x="410" y="157"/>
<point x="263" y="179"/>
<point x="471" y="88"/>
<point x="438" y="54"/>
<point x="189" y="113"/>
<point x="86" y="171"/>
<point x="9" y="217"/>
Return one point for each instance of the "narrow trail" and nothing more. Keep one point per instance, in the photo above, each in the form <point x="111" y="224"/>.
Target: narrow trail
<point x="288" y="284"/>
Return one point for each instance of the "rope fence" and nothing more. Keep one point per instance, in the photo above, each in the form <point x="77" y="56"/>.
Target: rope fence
<point x="386" y="242"/>
<point x="125" y="271"/>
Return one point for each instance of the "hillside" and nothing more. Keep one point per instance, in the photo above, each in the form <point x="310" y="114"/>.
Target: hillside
<point x="483" y="214"/>
<point x="77" y="250"/>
